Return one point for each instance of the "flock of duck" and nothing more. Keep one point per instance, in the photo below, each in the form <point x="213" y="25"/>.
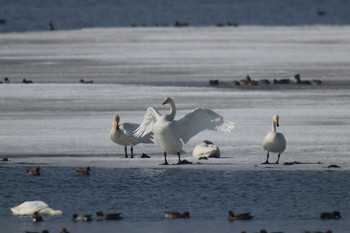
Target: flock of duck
<point x="248" y="81"/>
<point x="25" y="81"/>
<point x="171" y="134"/>
<point x="36" y="209"/>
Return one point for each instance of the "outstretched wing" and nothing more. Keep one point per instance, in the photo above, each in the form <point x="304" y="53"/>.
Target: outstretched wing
<point x="149" y="119"/>
<point x="129" y="128"/>
<point x="199" y="120"/>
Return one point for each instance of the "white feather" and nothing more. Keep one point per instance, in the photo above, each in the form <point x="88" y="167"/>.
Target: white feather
<point x="30" y="207"/>
<point x="123" y="134"/>
<point x="171" y="134"/>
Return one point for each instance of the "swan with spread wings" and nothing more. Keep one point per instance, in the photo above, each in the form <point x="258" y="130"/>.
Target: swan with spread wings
<point x="170" y="134"/>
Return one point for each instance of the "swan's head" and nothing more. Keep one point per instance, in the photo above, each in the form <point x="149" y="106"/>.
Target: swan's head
<point x="167" y="100"/>
<point x="275" y="120"/>
<point x="116" y="121"/>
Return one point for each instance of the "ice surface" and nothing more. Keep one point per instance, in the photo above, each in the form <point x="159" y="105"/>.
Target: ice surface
<point x="58" y="118"/>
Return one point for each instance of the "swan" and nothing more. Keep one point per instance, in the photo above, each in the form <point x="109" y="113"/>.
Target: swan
<point x="206" y="149"/>
<point x="31" y="207"/>
<point x="170" y="134"/>
<point x="274" y="141"/>
<point x="123" y="135"/>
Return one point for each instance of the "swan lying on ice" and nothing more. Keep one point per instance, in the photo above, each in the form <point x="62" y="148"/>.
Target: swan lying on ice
<point x="171" y="134"/>
<point x="274" y="141"/>
<point x="31" y="207"/>
<point x="123" y="135"/>
<point x="206" y="149"/>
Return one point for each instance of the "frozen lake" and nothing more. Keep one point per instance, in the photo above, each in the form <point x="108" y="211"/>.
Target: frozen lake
<point x="58" y="123"/>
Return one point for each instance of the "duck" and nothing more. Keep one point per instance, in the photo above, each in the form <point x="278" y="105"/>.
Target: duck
<point x="81" y="217"/>
<point x="34" y="171"/>
<point x="122" y="134"/>
<point x="83" y="171"/>
<point x="31" y="207"/>
<point x="281" y="81"/>
<point x="170" y="134"/>
<point x="301" y="82"/>
<point x="264" y="82"/>
<point x="174" y="215"/>
<point x="27" y="81"/>
<point x="274" y="141"/>
<point x="36" y="217"/>
<point x="112" y="216"/>
<point x="330" y="215"/>
<point x="86" y="82"/>
<point x="206" y="149"/>
<point x="243" y="216"/>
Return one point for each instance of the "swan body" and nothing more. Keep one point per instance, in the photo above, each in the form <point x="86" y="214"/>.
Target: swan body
<point x="122" y="134"/>
<point x="170" y="134"/>
<point x="274" y="141"/>
<point x="31" y="207"/>
<point x="206" y="149"/>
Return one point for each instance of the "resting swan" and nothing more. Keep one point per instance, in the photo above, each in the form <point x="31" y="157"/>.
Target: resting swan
<point x="274" y="141"/>
<point x="170" y="134"/>
<point x="123" y="135"/>
<point x="31" y="207"/>
<point x="206" y="149"/>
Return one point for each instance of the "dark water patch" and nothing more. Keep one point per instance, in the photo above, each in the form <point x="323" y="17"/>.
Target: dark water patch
<point x="142" y="195"/>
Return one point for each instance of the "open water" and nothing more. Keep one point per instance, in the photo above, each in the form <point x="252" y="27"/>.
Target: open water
<point x="279" y="200"/>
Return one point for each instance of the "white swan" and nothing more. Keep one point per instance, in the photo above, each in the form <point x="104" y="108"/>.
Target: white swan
<point x="171" y="134"/>
<point x="274" y="141"/>
<point x="206" y="149"/>
<point x="123" y="135"/>
<point x="31" y="207"/>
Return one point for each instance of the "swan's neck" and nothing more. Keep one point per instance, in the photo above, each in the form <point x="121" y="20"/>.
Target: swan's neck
<point x="115" y="124"/>
<point x="273" y="126"/>
<point x="172" y="112"/>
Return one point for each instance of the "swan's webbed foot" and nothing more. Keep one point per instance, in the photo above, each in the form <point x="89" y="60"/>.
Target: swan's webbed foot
<point x="266" y="162"/>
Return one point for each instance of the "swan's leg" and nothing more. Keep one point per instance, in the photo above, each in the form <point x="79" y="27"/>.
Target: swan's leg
<point x="165" y="160"/>
<point x="132" y="152"/>
<point x="178" y="155"/>
<point x="278" y="158"/>
<point x="267" y="158"/>
<point x="126" y="152"/>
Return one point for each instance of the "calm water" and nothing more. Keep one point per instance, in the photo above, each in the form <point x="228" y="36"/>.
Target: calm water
<point x="279" y="200"/>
